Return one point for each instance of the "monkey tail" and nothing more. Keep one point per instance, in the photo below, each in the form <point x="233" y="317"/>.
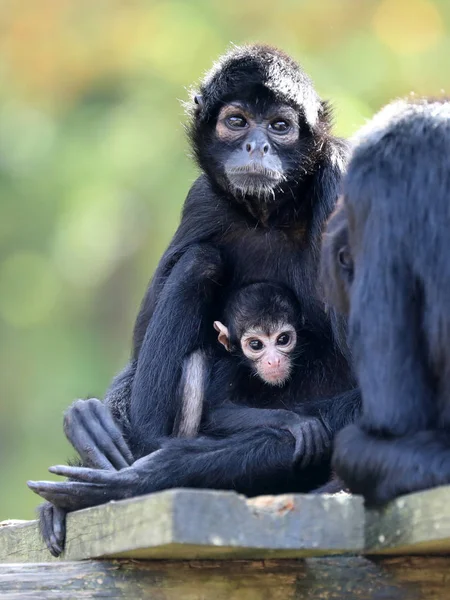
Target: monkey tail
<point x="192" y="387"/>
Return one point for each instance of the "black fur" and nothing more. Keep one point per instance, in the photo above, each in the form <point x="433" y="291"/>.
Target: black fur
<point x="286" y="249"/>
<point x="396" y="202"/>
<point x="223" y="242"/>
<point x="260" y="304"/>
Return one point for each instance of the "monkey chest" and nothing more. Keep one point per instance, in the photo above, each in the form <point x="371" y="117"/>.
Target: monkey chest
<point x="263" y="254"/>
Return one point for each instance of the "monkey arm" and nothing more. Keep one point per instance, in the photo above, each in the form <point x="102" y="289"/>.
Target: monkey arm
<point x="312" y="439"/>
<point x="182" y="323"/>
<point x="335" y="412"/>
<point x="245" y="462"/>
<point x="199" y="224"/>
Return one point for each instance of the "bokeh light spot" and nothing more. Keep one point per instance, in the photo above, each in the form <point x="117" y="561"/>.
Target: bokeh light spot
<point x="408" y="26"/>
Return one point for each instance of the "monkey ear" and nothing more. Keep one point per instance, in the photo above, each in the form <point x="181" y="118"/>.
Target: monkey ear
<point x="198" y="99"/>
<point x="224" y="336"/>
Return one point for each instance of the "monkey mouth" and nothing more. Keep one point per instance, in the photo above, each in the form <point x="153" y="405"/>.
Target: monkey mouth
<point x="255" y="170"/>
<point x="277" y="378"/>
<point x="254" y="180"/>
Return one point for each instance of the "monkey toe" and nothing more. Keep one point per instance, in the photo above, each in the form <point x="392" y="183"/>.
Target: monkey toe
<point x="52" y="527"/>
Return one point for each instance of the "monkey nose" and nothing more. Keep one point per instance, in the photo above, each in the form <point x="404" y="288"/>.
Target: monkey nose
<point x="273" y="362"/>
<point x="257" y="147"/>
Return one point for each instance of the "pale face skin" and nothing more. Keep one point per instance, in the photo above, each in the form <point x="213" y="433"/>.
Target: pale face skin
<point x="270" y="353"/>
<point x="255" y="166"/>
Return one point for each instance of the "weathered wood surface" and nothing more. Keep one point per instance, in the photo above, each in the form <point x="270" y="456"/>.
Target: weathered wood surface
<point x="200" y="524"/>
<point x="338" y="578"/>
<point x="414" y="524"/>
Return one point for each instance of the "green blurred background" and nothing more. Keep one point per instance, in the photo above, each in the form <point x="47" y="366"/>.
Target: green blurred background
<point x="94" y="167"/>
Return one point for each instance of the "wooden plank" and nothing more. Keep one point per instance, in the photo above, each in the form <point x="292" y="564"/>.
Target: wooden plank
<point x="189" y="524"/>
<point x="338" y="578"/>
<point x="414" y="524"/>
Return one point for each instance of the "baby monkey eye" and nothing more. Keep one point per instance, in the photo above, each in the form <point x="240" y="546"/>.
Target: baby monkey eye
<point x="283" y="339"/>
<point x="280" y="126"/>
<point x="236" y="122"/>
<point x="256" y="344"/>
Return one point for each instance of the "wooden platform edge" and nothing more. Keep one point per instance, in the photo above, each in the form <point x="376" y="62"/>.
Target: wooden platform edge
<point x="343" y="578"/>
<point x="414" y="524"/>
<point x="188" y="524"/>
<point x="204" y="524"/>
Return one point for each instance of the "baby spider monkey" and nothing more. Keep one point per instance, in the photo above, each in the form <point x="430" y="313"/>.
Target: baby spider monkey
<point x="259" y="380"/>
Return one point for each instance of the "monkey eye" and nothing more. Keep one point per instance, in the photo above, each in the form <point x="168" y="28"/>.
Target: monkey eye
<point x="256" y="345"/>
<point x="283" y="339"/>
<point x="280" y="126"/>
<point x="344" y="258"/>
<point x="236" y="122"/>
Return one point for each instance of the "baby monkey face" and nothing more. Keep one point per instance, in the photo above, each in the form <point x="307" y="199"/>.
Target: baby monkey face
<point x="270" y="352"/>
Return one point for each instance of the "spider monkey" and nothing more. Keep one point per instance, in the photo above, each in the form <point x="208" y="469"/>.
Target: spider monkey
<point x="271" y="170"/>
<point x="385" y="262"/>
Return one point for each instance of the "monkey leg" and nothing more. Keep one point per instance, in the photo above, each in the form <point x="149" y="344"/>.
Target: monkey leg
<point x="382" y="469"/>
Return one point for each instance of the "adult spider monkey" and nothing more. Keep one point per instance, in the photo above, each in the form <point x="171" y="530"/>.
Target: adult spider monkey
<point x="270" y="176"/>
<point x="385" y="261"/>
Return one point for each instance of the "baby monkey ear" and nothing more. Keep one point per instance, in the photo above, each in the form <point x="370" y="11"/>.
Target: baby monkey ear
<point x="198" y="100"/>
<point x="223" y="337"/>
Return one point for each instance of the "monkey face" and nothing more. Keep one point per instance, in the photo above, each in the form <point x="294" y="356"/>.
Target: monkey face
<point x="254" y="143"/>
<point x="337" y="264"/>
<point x="270" y="353"/>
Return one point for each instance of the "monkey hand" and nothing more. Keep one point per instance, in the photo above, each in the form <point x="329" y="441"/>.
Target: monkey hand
<point x="312" y="441"/>
<point x="90" y="428"/>
<point x="92" y="431"/>
<point x="88" y="487"/>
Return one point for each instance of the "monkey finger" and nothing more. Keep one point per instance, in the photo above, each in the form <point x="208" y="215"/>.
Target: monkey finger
<point x="86" y="446"/>
<point x="104" y="416"/>
<point x="84" y="432"/>
<point x="85" y="474"/>
<point x="309" y="450"/>
<point x="102" y="453"/>
<point x="299" y="448"/>
<point x="46" y="526"/>
<point x="59" y="527"/>
<point x="322" y="442"/>
<point x="326" y="439"/>
<point x="69" y="495"/>
<point x="115" y="479"/>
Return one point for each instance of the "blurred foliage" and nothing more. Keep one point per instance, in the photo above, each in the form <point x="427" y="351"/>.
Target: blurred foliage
<point x="94" y="168"/>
